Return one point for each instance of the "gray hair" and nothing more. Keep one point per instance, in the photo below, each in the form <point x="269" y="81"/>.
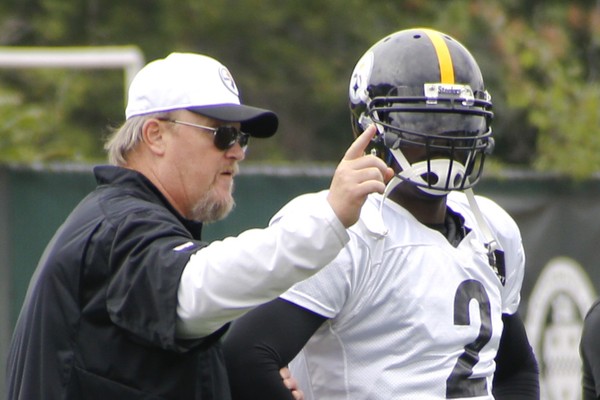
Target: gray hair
<point x="124" y="139"/>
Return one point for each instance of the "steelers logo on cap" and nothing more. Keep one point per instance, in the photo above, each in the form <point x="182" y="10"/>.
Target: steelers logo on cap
<point x="228" y="81"/>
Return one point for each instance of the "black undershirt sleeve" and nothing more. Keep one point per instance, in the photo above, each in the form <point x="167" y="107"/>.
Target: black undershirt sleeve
<point x="517" y="373"/>
<point x="263" y="341"/>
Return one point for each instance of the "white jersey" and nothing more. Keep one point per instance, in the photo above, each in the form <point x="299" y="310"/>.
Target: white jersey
<point x="410" y="316"/>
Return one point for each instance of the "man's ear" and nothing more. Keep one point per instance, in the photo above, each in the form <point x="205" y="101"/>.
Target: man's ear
<point x="153" y="136"/>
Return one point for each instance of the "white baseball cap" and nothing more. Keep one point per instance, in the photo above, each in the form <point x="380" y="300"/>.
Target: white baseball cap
<point x="196" y="83"/>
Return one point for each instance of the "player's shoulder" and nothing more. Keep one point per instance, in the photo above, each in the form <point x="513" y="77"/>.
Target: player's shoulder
<point x="305" y="201"/>
<point x="593" y="314"/>
<point x="591" y="326"/>
<point x="496" y="216"/>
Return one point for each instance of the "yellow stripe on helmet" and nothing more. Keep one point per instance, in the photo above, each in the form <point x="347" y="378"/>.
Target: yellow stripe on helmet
<point x="443" y="54"/>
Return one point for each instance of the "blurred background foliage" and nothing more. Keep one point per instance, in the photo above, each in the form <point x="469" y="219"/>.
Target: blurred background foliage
<point x="540" y="59"/>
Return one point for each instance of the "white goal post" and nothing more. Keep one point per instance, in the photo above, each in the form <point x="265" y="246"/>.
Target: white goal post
<point x="129" y="58"/>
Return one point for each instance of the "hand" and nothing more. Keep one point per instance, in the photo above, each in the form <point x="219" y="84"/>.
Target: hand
<point x="291" y="383"/>
<point x="356" y="176"/>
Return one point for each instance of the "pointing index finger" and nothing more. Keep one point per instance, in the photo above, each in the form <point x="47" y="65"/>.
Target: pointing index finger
<point x="359" y="145"/>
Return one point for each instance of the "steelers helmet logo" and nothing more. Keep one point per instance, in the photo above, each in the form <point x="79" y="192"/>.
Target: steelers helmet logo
<point x="228" y="81"/>
<point x="360" y="79"/>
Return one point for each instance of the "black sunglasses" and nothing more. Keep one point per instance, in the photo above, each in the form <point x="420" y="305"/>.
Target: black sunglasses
<point x="224" y="137"/>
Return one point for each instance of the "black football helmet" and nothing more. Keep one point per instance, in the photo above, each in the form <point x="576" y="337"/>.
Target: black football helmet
<point x="423" y="88"/>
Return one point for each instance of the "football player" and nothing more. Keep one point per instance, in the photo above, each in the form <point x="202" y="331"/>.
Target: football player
<point x="423" y="301"/>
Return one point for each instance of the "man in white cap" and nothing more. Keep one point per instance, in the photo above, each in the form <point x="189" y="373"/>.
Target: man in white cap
<point x="127" y="302"/>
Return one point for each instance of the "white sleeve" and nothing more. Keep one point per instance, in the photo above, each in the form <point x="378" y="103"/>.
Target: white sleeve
<point x="227" y="278"/>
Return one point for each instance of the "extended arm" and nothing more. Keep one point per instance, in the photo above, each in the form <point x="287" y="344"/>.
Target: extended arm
<point x="261" y="342"/>
<point x="227" y="278"/>
<point x="517" y="374"/>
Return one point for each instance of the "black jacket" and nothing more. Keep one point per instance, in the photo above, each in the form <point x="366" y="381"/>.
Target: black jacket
<point x="98" y="321"/>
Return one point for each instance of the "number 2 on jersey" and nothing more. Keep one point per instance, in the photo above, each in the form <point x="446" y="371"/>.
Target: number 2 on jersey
<point x="460" y="384"/>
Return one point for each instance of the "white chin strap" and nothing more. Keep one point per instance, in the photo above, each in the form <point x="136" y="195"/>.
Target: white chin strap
<point x="413" y="173"/>
<point x="448" y="175"/>
<point x="447" y="180"/>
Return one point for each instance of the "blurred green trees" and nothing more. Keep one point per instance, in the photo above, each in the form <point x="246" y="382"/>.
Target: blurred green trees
<point x="540" y="60"/>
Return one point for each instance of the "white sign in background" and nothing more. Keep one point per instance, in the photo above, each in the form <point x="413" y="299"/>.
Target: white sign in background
<point x="557" y="306"/>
